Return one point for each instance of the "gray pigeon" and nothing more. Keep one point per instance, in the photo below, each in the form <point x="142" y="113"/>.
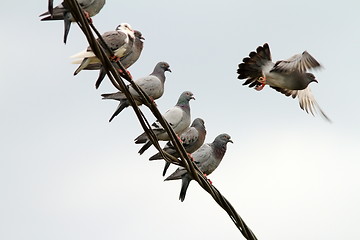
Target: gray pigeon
<point x="120" y="42"/>
<point x="152" y="85"/>
<point x="207" y="158"/>
<point x="126" y="61"/>
<point x="61" y="12"/>
<point x="178" y="118"/>
<point x="289" y="77"/>
<point x="192" y="139"/>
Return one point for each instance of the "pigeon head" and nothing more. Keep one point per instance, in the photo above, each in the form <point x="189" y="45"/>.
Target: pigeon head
<point x="198" y="122"/>
<point x="125" y="27"/>
<point x="164" y="66"/>
<point x="311" y="78"/>
<point x="219" y="145"/>
<point x="138" y="35"/>
<point x="223" y="138"/>
<point x="186" y="97"/>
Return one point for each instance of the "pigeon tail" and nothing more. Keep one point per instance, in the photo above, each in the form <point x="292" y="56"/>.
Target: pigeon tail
<point x="56" y="14"/>
<point x="83" y="64"/>
<point x="145" y="147"/>
<point x="157" y="156"/>
<point x="102" y="74"/>
<point x="141" y="139"/>
<point x="167" y="165"/>
<point x="122" y="106"/>
<point x="67" y="25"/>
<point x="251" y="67"/>
<point x="51" y="7"/>
<point x="184" y="186"/>
<point x="115" y="96"/>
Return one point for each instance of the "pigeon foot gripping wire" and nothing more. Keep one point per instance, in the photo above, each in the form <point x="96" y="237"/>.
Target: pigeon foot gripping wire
<point x="124" y="75"/>
<point x="87" y="16"/>
<point x="114" y="58"/>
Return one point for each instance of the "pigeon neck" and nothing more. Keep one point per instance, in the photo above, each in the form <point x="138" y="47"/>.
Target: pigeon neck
<point x="139" y="44"/>
<point x="160" y="74"/>
<point x="219" y="149"/>
<point x="184" y="104"/>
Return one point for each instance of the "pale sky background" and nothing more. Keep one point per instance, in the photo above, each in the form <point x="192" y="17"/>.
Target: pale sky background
<point x="66" y="173"/>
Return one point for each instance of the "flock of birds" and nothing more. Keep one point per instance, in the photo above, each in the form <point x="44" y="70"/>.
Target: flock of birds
<point x="289" y="77"/>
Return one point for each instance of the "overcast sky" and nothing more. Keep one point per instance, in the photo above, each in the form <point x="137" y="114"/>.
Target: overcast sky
<point x="67" y="173"/>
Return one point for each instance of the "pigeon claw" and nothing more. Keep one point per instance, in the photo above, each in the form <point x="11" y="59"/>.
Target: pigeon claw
<point x="114" y="58"/>
<point x="179" y="139"/>
<point x="151" y="98"/>
<point x="123" y="74"/>
<point x="87" y="15"/>
<point x="261" y="80"/>
<point x="260" y="87"/>
<point x="131" y="77"/>
<point x="208" y="179"/>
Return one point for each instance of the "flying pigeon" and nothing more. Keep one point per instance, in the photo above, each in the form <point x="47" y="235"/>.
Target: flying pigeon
<point x="289" y="77"/>
<point x="126" y="61"/>
<point x="207" y="158"/>
<point x="152" y="85"/>
<point x="61" y="12"/>
<point x="120" y="42"/>
<point x="178" y="118"/>
<point x="192" y="139"/>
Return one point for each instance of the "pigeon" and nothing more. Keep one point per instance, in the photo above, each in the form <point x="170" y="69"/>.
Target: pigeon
<point x="207" y="158"/>
<point x="289" y="77"/>
<point x="178" y="118"/>
<point x="152" y="85"/>
<point x="61" y="12"/>
<point x="120" y="42"/>
<point x="126" y="61"/>
<point x="192" y="139"/>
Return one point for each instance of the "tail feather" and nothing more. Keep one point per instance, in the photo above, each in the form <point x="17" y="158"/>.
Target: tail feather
<point x="115" y="96"/>
<point x="184" y="186"/>
<point x="251" y="67"/>
<point x="167" y="165"/>
<point x="54" y="14"/>
<point x="143" y="138"/>
<point x="156" y="156"/>
<point x="51" y="18"/>
<point x="102" y="74"/>
<point x="178" y="174"/>
<point x="83" y="64"/>
<point x="122" y="106"/>
<point x="145" y="147"/>
<point x="51" y="7"/>
<point x="83" y="54"/>
<point x="94" y="66"/>
<point x="67" y="25"/>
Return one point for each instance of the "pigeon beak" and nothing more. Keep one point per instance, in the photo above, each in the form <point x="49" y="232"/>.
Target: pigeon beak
<point x="192" y="97"/>
<point x="168" y="69"/>
<point x="142" y="38"/>
<point x="315" y="81"/>
<point x="230" y="141"/>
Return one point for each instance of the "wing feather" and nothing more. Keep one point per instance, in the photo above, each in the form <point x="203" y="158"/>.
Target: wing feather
<point x="299" y="62"/>
<point x="306" y="99"/>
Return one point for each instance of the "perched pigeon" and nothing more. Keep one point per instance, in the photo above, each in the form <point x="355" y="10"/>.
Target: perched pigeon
<point x="120" y="42"/>
<point x="126" y="61"/>
<point x="61" y="12"/>
<point x="152" y="85"/>
<point x="178" y="118"/>
<point x="207" y="158"/>
<point x="289" y="77"/>
<point x="192" y="139"/>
